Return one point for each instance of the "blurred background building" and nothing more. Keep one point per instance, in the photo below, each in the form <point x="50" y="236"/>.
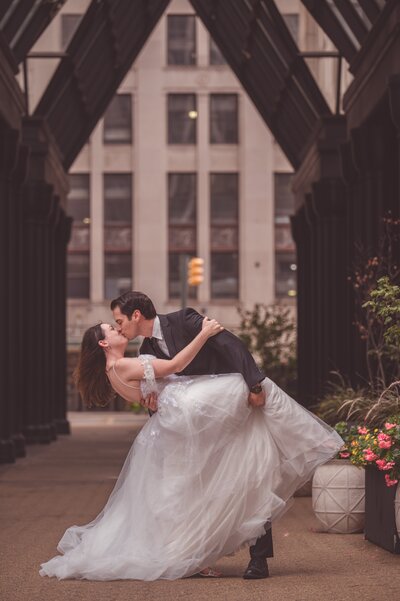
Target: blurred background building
<point x="181" y="163"/>
<point x="126" y="126"/>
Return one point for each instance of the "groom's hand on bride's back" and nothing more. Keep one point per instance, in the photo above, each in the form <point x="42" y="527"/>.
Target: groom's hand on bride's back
<point x="150" y="402"/>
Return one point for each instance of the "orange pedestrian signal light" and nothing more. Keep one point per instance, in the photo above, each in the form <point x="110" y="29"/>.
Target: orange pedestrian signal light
<point x="195" y="273"/>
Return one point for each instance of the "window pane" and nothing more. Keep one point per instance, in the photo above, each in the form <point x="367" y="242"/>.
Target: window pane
<point x="118" y="120"/>
<point x="182" y="198"/>
<point x="224" y="194"/>
<point x="117" y="238"/>
<point x="181" y="39"/>
<point x="117" y="274"/>
<point x="284" y="197"/>
<point x="118" y="198"/>
<point x="78" y="269"/>
<point x="224" y="275"/>
<point x="174" y="277"/>
<point x="69" y="24"/>
<point x="292" y="22"/>
<point x="224" y="119"/>
<point x="80" y="239"/>
<point x="182" y="118"/>
<point x="78" y="200"/>
<point x="285" y="274"/>
<point x="216" y="56"/>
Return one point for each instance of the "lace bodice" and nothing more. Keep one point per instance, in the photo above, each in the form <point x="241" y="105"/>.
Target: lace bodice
<point x="148" y="384"/>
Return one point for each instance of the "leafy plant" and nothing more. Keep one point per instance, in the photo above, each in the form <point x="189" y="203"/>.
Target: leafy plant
<point x="270" y="335"/>
<point x="374" y="281"/>
<point x="385" y="304"/>
<point x="343" y="401"/>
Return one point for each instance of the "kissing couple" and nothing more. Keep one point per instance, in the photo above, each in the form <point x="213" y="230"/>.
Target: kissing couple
<point x="217" y="463"/>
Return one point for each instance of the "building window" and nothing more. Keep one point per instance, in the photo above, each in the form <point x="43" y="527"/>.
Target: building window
<point x="285" y="257"/>
<point x="181" y="36"/>
<point x="182" y="118"/>
<point x="78" y="281"/>
<point x="285" y="275"/>
<point x="181" y="227"/>
<point x="224" y="217"/>
<point x="118" y="120"/>
<point x="117" y="234"/>
<point x="69" y="24"/>
<point x="292" y="23"/>
<point x="78" y="207"/>
<point x="284" y="199"/>
<point x="216" y="56"/>
<point x="224" y="119"/>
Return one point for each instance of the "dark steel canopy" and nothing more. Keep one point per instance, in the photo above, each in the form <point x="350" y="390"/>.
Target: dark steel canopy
<point x="251" y="34"/>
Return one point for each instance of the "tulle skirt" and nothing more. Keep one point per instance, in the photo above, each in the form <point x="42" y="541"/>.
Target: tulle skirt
<point x="202" y="478"/>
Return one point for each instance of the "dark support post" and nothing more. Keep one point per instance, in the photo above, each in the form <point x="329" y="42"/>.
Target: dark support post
<point x="39" y="204"/>
<point x="8" y="157"/>
<point x="62" y="237"/>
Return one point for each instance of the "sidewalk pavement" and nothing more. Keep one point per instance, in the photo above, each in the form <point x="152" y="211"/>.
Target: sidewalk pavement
<point x="68" y="483"/>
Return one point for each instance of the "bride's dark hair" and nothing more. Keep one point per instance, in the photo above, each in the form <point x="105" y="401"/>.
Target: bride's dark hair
<point x="90" y="373"/>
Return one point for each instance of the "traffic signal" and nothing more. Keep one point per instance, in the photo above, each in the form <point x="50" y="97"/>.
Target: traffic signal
<point x="195" y="272"/>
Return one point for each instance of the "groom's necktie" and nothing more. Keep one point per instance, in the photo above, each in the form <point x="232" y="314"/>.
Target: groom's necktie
<point x="160" y="345"/>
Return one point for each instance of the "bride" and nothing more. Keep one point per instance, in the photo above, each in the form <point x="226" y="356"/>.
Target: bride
<point x="203" y="476"/>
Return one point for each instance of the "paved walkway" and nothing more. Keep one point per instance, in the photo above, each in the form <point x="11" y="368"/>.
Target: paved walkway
<point x="68" y="482"/>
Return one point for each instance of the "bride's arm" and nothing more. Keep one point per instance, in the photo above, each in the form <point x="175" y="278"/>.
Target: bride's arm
<point x="132" y="369"/>
<point x="166" y="367"/>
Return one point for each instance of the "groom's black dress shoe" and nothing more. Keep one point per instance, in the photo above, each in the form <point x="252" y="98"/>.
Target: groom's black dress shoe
<point x="257" y="568"/>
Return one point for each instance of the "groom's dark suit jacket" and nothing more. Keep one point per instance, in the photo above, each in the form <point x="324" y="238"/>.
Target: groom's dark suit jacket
<point x="222" y="354"/>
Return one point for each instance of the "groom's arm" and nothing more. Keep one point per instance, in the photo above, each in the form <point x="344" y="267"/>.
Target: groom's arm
<point x="233" y="352"/>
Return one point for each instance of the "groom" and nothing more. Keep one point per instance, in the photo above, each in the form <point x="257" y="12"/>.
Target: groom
<point x="165" y="336"/>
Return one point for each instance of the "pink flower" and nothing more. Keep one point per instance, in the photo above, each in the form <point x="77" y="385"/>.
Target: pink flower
<point x="385" y="441"/>
<point x="362" y="430"/>
<point x="390" y="482"/>
<point x="369" y="455"/>
<point x="344" y="454"/>
<point x="381" y="463"/>
<point x="389" y="465"/>
<point x="389" y="426"/>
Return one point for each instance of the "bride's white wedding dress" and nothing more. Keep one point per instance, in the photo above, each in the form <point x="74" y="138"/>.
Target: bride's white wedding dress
<point x="202" y="478"/>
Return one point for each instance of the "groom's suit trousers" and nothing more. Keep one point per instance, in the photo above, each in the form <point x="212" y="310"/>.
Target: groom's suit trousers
<point x="263" y="546"/>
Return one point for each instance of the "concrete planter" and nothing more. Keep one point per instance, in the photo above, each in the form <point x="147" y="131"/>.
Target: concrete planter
<point x="338" y="496"/>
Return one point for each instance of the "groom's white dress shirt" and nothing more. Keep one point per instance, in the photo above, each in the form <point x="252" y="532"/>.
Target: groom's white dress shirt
<point x="158" y="335"/>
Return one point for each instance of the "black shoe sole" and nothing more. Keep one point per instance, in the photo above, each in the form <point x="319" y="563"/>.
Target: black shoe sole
<point x="255" y="576"/>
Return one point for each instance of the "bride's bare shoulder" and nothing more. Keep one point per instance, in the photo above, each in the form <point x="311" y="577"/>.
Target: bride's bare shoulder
<point x="127" y="364"/>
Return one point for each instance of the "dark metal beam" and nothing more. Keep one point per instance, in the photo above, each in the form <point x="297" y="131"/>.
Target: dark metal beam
<point x="102" y="50"/>
<point x="352" y="18"/>
<point x="370" y="8"/>
<point x="16" y="18"/>
<point x="41" y="18"/>
<point x="332" y="27"/>
<point x="262" y="53"/>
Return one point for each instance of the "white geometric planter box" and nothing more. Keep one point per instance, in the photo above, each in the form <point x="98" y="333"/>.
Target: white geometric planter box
<point x="338" y="496"/>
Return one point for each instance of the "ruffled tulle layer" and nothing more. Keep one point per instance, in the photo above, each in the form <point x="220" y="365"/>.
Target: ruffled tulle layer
<point x="202" y="478"/>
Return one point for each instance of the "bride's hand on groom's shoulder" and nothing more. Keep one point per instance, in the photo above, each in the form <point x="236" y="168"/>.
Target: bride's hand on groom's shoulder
<point x="211" y="326"/>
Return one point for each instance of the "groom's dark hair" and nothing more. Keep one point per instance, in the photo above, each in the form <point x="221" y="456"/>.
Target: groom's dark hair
<point x="132" y="301"/>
